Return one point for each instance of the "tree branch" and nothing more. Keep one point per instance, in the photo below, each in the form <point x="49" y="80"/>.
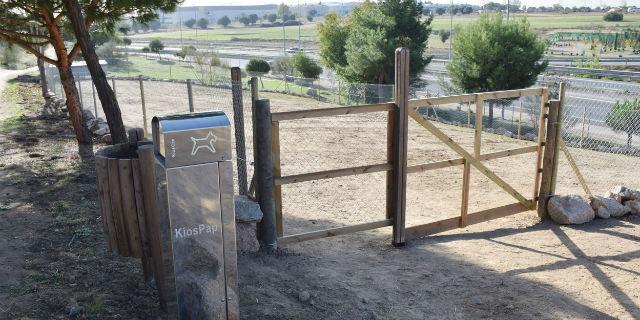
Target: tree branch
<point x="27" y="47"/>
<point x="20" y="34"/>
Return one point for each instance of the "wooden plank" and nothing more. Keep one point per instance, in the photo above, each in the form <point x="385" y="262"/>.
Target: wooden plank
<point x="471" y="97"/>
<point x="435" y="165"/>
<point x="329" y="112"/>
<point x="152" y="219"/>
<point x="144" y="107"/>
<point x="548" y="158"/>
<point x="335" y="231"/>
<point x="426" y="102"/>
<point x="129" y="207"/>
<point x="511" y="93"/>
<point x="473" y="218"/>
<point x="475" y="162"/>
<point x="116" y="207"/>
<point x="147" y="257"/>
<point x="400" y="135"/>
<point x="542" y="125"/>
<point x="464" y="207"/>
<point x="477" y="133"/>
<point x="507" y="153"/>
<point x="102" y="176"/>
<point x="277" y="173"/>
<point x="576" y="170"/>
<point x="297" y="178"/>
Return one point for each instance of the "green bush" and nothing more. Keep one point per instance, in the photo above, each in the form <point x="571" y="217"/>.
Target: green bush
<point x="613" y="16"/>
<point x="306" y="67"/>
<point x="282" y="65"/>
<point x="258" y="66"/>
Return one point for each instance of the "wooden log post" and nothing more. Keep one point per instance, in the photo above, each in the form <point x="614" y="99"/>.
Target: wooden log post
<point x="253" y="83"/>
<point x="398" y="193"/>
<point x="549" y="158"/>
<point x="190" y="95"/>
<point x="263" y="168"/>
<point x="238" y="124"/>
<point x="277" y="173"/>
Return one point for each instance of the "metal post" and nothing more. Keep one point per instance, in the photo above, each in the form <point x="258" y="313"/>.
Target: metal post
<point x="263" y="160"/>
<point x="95" y="103"/>
<point x="584" y="119"/>
<point x="80" y="93"/>
<point x="238" y="121"/>
<point x="190" y="95"/>
<point x="144" y="107"/>
<point x="556" y="153"/>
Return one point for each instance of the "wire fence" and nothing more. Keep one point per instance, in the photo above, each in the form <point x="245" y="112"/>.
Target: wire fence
<point x="600" y="116"/>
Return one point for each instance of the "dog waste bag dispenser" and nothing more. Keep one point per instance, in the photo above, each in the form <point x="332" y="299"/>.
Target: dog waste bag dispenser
<point x="195" y="191"/>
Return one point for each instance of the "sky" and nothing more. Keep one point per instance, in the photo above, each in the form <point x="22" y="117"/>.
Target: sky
<point x="536" y="3"/>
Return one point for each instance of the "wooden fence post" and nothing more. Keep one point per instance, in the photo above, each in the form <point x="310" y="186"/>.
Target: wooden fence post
<point x="190" y="95"/>
<point x="144" y="107"/>
<point x="549" y="158"/>
<point x="400" y="130"/>
<point x="263" y="168"/>
<point x="238" y="123"/>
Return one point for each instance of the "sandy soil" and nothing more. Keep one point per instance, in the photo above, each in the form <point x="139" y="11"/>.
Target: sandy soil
<point x="515" y="267"/>
<point x="511" y="268"/>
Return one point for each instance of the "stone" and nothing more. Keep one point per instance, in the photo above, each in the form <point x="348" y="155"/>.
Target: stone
<point x="571" y="209"/>
<point x="247" y="210"/>
<point x="608" y="206"/>
<point x="102" y="130"/>
<point x="247" y="237"/>
<point x="633" y="205"/>
<point x="87" y="115"/>
<point x="622" y="194"/>
<point x="93" y="124"/>
<point x="106" y="138"/>
<point x="304" y="296"/>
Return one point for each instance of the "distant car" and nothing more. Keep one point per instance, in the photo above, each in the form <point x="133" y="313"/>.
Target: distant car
<point x="293" y="50"/>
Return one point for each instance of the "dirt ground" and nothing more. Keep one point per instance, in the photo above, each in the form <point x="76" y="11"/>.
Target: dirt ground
<point x="511" y="268"/>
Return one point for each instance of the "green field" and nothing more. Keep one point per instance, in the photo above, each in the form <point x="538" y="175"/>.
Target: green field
<point x="308" y="31"/>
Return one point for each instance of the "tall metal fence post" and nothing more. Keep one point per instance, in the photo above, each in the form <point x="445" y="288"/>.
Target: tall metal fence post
<point x="238" y="122"/>
<point x="80" y="93"/>
<point x="144" y="107"/>
<point x="263" y="168"/>
<point x="400" y="131"/>
<point x="95" y="103"/>
<point x="556" y="153"/>
<point x="190" y="95"/>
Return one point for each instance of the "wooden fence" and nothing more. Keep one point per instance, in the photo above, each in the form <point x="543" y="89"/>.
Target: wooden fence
<point x="396" y="167"/>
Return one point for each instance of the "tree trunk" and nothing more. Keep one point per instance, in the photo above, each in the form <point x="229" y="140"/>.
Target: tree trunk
<point x="105" y="93"/>
<point x="85" y="144"/>
<point x="43" y="80"/>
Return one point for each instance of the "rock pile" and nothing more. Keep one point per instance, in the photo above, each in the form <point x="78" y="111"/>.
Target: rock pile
<point x="98" y="126"/>
<point x="573" y="209"/>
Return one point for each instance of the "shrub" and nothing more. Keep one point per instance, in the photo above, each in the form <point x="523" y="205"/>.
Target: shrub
<point x="203" y="23"/>
<point x="613" y="16"/>
<point x="190" y="23"/>
<point x="306" y="67"/>
<point x="258" y="66"/>
<point x="224" y="21"/>
<point x="282" y="65"/>
<point x="625" y="117"/>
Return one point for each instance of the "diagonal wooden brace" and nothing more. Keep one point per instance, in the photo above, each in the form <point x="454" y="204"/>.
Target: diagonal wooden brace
<point x="470" y="158"/>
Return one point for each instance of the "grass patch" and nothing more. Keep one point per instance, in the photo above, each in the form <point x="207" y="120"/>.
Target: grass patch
<point x="307" y="32"/>
<point x="154" y="68"/>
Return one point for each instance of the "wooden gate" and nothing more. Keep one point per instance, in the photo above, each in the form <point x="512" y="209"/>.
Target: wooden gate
<point x="398" y="113"/>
